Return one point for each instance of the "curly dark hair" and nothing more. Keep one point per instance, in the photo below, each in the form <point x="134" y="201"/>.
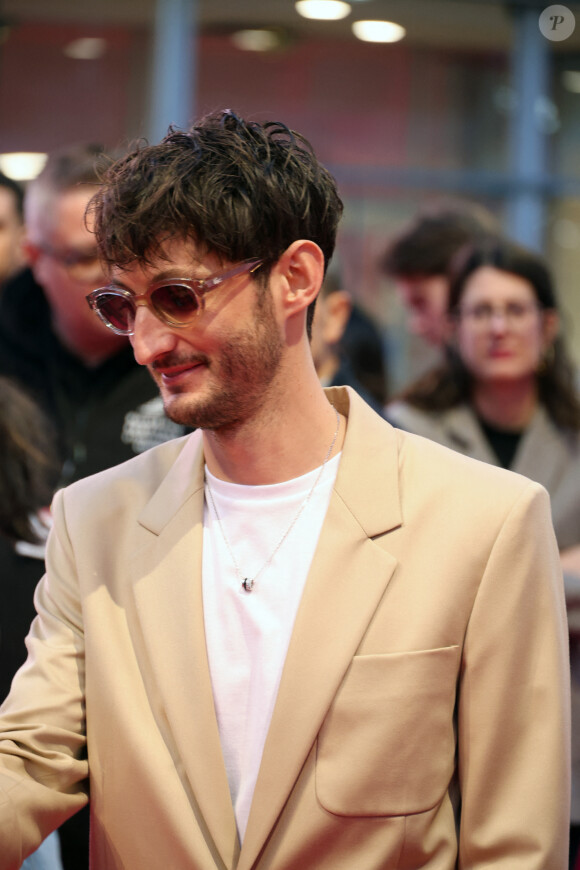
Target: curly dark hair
<point x="29" y="464"/>
<point x="238" y="189"/>
<point x="450" y="384"/>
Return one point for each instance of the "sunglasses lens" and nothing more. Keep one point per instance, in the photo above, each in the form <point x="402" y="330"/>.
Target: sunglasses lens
<point x="175" y="302"/>
<point x="117" y="311"/>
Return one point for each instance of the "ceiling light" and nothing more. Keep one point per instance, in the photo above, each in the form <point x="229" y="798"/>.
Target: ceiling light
<point x="323" y="10"/>
<point x="571" y="81"/>
<point x="256" y="40"/>
<point x="87" y="48"/>
<point x="22" y="165"/>
<point x="378" y="31"/>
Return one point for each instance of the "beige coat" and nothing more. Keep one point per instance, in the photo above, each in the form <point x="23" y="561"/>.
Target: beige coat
<point x="428" y="661"/>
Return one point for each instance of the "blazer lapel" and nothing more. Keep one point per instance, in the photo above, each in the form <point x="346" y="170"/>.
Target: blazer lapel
<point x="348" y="577"/>
<point x="168" y="597"/>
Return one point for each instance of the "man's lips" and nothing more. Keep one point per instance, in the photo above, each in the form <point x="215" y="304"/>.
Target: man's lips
<point x="173" y="371"/>
<point x="178" y="370"/>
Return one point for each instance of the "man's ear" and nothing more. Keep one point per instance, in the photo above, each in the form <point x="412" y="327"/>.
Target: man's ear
<point x="300" y="271"/>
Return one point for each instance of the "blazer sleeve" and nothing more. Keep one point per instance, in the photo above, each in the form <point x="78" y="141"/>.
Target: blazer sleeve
<point x="514" y="702"/>
<point x="43" y="768"/>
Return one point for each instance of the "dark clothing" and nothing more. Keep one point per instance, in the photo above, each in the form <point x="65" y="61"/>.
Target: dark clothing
<point x="574" y="847"/>
<point x="102" y="416"/>
<point x="503" y="442"/>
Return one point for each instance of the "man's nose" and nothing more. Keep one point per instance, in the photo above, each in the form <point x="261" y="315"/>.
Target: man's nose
<point x="151" y="337"/>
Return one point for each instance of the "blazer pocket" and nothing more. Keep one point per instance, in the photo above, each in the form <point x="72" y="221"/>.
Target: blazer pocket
<point x="387" y="745"/>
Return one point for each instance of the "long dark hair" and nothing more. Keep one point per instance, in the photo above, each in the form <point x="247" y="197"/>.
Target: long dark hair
<point x="450" y="384"/>
<point x="28" y="464"/>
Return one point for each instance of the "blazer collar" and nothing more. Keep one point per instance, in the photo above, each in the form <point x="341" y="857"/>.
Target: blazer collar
<point x="368" y="474"/>
<point x="183" y="479"/>
<point x="363" y="485"/>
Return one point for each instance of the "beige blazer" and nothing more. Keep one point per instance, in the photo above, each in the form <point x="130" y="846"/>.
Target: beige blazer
<point x="426" y="681"/>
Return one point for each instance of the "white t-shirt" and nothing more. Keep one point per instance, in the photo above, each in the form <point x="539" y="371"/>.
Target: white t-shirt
<point x="248" y="633"/>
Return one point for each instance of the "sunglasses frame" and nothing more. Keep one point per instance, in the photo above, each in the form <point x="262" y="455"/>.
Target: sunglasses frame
<point x="198" y="287"/>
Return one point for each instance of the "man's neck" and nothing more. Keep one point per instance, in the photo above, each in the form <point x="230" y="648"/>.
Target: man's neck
<point x="278" y="446"/>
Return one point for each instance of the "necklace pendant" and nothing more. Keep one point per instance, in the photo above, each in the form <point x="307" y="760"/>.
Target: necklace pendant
<point x="248" y="584"/>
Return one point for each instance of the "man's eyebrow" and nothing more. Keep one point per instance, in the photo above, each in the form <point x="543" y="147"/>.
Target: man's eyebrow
<point x="172" y="273"/>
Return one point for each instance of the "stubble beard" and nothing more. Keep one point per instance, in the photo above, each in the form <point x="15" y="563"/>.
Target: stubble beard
<point x="244" y="374"/>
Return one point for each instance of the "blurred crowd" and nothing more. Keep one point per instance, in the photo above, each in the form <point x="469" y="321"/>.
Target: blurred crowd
<point x="73" y="401"/>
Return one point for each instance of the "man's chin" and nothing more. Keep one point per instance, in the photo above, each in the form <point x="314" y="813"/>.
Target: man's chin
<point x="198" y="414"/>
<point x="180" y="410"/>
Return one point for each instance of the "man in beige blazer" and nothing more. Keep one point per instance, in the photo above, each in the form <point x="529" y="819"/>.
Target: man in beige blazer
<point x="370" y="672"/>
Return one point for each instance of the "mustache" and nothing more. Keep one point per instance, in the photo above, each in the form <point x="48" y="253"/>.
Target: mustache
<point x="169" y="360"/>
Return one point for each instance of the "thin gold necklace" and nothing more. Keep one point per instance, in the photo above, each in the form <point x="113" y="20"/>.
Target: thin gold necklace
<point x="247" y="583"/>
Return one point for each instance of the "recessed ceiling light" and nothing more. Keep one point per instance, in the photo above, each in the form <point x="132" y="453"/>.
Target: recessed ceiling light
<point x="87" y="48"/>
<point x="22" y="165"/>
<point x="256" y="40"/>
<point x="323" y="10"/>
<point x="378" y="31"/>
<point x="571" y="80"/>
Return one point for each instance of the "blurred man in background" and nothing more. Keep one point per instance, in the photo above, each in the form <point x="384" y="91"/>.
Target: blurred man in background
<point x="418" y="258"/>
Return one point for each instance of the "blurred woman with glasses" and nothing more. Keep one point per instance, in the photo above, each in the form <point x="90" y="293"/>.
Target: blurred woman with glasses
<point x="506" y="395"/>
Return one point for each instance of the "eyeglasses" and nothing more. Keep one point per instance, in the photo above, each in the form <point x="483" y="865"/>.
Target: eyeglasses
<point x="515" y="314"/>
<point x="175" y="302"/>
